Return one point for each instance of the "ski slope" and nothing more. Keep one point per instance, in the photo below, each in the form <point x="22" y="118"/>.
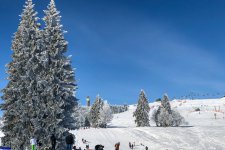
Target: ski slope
<point x="203" y="132"/>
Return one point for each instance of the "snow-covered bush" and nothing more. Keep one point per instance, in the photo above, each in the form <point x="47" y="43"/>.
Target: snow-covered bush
<point x="94" y="115"/>
<point x="164" y="116"/>
<point x="105" y="115"/>
<point x="81" y="115"/>
<point x="165" y="119"/>
<point x="100" y="113"/>
<point x="177" y="119"/>
<point x="197" y="109"/>
<point x="155" y="115"/>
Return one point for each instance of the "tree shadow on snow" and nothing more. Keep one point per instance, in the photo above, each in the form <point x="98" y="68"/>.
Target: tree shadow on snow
<point x="116" y="127"/>
<point x="187" y="126"/>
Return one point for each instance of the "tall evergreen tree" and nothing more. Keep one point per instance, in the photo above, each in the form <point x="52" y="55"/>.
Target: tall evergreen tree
<point x="95" y="112"/>
<point x="57" y="82"/>
<point x="141" y="114"/>
<point x="18" y="107"/>
<point x="39" y="98"/>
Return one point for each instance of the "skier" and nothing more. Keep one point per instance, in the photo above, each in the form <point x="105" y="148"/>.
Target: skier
<point x="74" y="148"/>
<point x="146" y="148"/>
<point x="117" y="146"/>
<point x="87" y="146"/>
<point x="129" y="144"/>
<point x="33" y="142"/>
<point x="39" y="143"/>
<point x="53" y="141"/>
<point x="69" y="141"/>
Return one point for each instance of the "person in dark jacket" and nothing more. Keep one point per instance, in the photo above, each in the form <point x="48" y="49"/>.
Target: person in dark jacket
<point x="117" y="146"/>
<point x="39" y="144"/>
<point x="99" y="147"/>
<point x="53" y="141"/>
<point x="129" y="144"/>
<point x="146" y="148"/>
<point x="69" y="141"/>
<point x="74" y="148"/>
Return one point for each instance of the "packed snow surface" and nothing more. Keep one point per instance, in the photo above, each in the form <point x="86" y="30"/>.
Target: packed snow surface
<point x="203" y="132"/>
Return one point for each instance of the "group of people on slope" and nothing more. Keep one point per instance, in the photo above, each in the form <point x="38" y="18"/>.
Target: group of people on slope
<point x="36" y="144"/>
<point x="132" y="145"/>
<point x="117" y="146"/>
<point x="71" y="146"/>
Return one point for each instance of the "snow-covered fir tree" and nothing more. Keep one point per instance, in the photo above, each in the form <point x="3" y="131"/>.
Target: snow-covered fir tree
<point x="164" y="116"/>
<point x="141" y="114"/>
<point x="39" y="98"/>
<point x="85" y="114"/>
<point x="81" y="115"/>
<point x="19" y="108"/>
<point x="106" y="115"/>
<point x="94" y="115"/>
<point x="57" y="82"/>
<point x="166" y="103"/>
<point x="178" y="119"/>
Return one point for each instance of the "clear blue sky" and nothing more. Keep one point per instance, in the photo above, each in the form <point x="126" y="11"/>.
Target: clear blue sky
<point x="122" y="46"/>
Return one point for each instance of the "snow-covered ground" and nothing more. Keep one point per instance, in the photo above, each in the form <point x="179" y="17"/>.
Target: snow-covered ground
<point x="203" y="132"/>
